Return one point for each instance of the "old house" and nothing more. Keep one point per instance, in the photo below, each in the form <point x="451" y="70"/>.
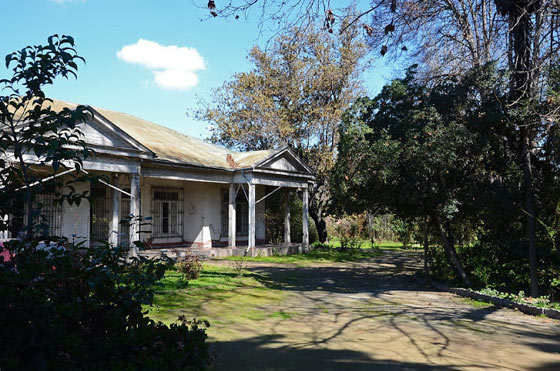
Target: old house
<point x="196" y="194"/>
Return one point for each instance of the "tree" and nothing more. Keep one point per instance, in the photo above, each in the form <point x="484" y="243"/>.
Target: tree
<point x="533" y="41"/>
<point x="418" y="152"/>
<point x="294" y="95"/>
<point x="32" y="133"/>
<point x="443" y="36"/>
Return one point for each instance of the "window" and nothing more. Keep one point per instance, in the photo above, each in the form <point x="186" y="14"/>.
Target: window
<point x="167" y="212"/>
<point x="100" y="213"/>
<point x="49" y="222"/>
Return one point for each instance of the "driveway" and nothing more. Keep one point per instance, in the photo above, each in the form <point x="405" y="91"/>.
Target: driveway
<point x="374" y="315"/>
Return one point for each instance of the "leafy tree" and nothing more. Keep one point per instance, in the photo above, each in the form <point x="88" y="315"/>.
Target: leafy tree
<point x="32" y="133"/>
<point x="419" y="152"/>
<point x="294" y="95"/>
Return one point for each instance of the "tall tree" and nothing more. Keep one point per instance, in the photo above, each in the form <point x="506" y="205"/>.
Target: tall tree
<point x="294" y="95"/>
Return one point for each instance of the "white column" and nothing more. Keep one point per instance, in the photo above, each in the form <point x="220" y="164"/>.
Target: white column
<point x="114" y="231"/>
<point x="4" y="233"/>
<point x="135" y="211"/>
<point x="231" y="216"/>
<point x="305" y="218"/>
<point x="252" y="229"/>
<point x="287" y="204"/>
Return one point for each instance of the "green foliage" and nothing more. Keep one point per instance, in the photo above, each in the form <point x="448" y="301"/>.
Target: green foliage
<point x="31" y="127"/>
<point x="69" y="307"/>
<point x="443" y="152"/>
<point x="404" y="230"/>
<point x="275" y="219"/>
<point x="520" y="297"/>
<point x="347" y="230"/>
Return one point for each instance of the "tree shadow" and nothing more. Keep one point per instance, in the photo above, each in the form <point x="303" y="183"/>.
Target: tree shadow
<point x="270" y="352"/>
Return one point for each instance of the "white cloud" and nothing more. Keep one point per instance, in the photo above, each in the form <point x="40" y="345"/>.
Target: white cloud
<point x="174" y="67"/>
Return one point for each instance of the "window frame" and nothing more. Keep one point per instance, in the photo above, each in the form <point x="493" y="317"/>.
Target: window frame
<point x="167" y="212"/>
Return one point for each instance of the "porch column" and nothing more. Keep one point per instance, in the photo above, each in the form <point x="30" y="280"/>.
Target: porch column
<point x="231" y="216"/>
<point x="251" y="237"/>
<point x="135" y="212"/>
<point x="114" y="231"/>
<point x="4" y="234"/>
<point x="287" y="204"/>
<point x="305" y="218"/>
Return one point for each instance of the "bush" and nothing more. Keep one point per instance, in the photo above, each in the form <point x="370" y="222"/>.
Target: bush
<point x="348" y="232"/>
<point x="78" y="308"/>
<point x="189" y="267"/>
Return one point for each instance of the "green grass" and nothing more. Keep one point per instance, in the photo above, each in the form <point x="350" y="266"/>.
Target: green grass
<point x="221" y="295"/>
<point x="314" y="256"/>
<point x="475" y="303"/>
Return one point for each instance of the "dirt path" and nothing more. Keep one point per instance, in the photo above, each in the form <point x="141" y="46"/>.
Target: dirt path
<point x="373" y="315"/>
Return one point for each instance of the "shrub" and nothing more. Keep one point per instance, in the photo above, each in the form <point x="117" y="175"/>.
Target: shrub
<point x="189" y="267"/>
<point x="348" y="232"/>
<point x="83" y="308"/>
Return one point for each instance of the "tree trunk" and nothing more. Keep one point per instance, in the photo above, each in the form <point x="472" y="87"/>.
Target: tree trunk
<point x="426" y="252"/>
<point x="530" y="209"/>
<point x="522" y="84"/>
<point x="451" y="253"/>
<point x="318" y="202"/>
<point x="320" y="224"/>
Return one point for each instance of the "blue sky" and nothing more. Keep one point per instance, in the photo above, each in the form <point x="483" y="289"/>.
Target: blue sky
<point x="140" y="80"/>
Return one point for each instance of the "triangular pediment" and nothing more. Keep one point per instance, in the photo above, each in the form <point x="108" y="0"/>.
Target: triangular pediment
<point x="96" y="134"/>
<point x="285" y="161"/>
<point x="99" y="132"/>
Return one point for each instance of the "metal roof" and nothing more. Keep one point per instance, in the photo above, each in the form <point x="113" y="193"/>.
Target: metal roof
<point x="173" y="146"/>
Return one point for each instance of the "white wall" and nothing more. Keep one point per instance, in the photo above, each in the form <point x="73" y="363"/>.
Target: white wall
<point x="75" y="219"/>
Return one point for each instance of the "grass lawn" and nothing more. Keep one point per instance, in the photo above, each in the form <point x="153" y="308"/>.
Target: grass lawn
<point x="314" y="256"/>
<point x="222" y="295"/>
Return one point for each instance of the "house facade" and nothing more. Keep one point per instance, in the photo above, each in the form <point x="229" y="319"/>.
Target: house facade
<point x="191" y="193"/>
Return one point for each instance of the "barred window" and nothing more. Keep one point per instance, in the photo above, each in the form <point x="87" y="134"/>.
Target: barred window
<point x="167" y="212"/>
<point x="100" y="212"/>
<point x="49" y="220"/>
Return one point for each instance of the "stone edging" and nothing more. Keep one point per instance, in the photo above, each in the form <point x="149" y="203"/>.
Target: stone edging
<point x="506" y="303"/>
